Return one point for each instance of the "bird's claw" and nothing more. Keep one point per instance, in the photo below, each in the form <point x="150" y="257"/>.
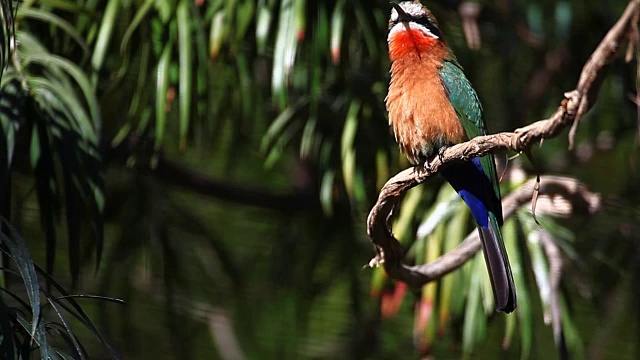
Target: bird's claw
<point x="427" y="166"/>
<point x="441" y="153"/>
<point x="377" y="261"/>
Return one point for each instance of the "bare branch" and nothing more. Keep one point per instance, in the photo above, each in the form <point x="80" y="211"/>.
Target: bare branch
<point x="554" y="190"/>
<point x="576" y="103"/>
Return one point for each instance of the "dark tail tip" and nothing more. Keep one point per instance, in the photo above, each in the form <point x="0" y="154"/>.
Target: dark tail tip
<point x="510" y="302"/>
<point x="495" y="255"/>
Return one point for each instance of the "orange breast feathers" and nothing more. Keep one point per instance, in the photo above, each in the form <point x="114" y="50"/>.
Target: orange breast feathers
<point x="420" y="112"/>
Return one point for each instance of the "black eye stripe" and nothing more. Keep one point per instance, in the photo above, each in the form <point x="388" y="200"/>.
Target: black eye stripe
<point x="424" y="21"/>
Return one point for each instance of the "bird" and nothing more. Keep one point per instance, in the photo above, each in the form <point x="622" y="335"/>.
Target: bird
<point x="431" y="106"/>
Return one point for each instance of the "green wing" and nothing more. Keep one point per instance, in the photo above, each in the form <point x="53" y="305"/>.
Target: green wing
<point x="467" y="106"/>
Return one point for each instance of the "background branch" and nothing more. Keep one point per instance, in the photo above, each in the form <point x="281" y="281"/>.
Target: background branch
<point x="553" y="189"/>
<point x="576" y="103"/>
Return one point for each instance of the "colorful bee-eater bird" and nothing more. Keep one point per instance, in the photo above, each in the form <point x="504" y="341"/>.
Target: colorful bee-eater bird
<point x="431" y="106"/>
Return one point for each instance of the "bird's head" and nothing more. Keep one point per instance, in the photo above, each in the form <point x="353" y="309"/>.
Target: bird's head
<point x="412" y="25"/>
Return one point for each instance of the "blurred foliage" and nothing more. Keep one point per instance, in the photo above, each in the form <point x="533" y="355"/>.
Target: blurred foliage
<point x="221" y="157"/>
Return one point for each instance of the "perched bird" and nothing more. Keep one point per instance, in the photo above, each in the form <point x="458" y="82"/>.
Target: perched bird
<point x="431" y="106"/>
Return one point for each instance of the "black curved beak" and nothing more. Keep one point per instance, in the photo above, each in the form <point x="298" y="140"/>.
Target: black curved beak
<point x="402" y="16"/>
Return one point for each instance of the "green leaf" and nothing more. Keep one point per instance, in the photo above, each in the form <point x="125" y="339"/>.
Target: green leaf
<point x="104" y="34"/>
<point x="244" y="18"/>
<point x="278" y="127"/>
<point x="69" y="6"/>
<point x="285" y="50"/>
<point x="308" y="140"/>
<point x="367" y="31"/>
<point x="19" y="252"/>
<point x="540" y="268"/>
<point x="263" y="24"/>
<point x="326" y="192"/>
<point x="71" y="306"/>
<point x="348" y="152"/>
<point x="49" y="60"/>
<point x="337" y="28"/>
<point x="217" y="33"/>
<point x="474" y="318"/>
<point x="162" y="87"/>
<point x="45" y="178"/>
<point x="186" y="69"/>
<point x="63" y="108"/>
<point x="446" y="205"/>
<point x="300" y="18"/>
<point x="457" y="230"/>
<point x="402" y="225"/>
<point x="140" y="15"/>
<point x="80" y="351"/>
<point x="524" y="310"/>
<point x="55" y="20"/>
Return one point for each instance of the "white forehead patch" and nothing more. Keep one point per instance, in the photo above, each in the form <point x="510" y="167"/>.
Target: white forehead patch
<point x="400" y="27"/>
<point x="411" y="8"/>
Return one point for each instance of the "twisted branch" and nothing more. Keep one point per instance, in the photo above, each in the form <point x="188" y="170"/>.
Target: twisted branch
<point x="576" y="103"/>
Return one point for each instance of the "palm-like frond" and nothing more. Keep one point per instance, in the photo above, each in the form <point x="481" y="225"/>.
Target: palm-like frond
<point x="62" y="113"/>
<point x="27" y="326"/>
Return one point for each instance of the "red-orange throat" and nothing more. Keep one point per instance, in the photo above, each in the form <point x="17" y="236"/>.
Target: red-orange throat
<point x="408" y="42"/>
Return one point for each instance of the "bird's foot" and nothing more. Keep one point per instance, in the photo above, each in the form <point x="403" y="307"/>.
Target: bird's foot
<point x="378" y="260"/>
<point x="422" y="167"/>
<point x="441" y="152"/>
<point x="427" y="166"/>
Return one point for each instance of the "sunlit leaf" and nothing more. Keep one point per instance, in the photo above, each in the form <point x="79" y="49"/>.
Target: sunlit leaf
<point x="337" y="27"/>
<point x="51" y="60"/>
<point x="285" y="49"/>
<point x="263" y="23"/>
<point x="402" y="225"/>
<point x="217" y="33"/>
<point x="346" y="148"/>
<point x="104" y="34"/>
<point x="186" y="69"/>
<point x="54" y="20"/>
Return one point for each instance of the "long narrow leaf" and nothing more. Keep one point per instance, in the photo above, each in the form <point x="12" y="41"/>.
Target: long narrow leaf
<point x="186" y="69"/>
<point x="142" y="12"/>
<point x="347" y="149"/>
<point x="24" y="262"/>
<point x="161" y="94"/>
<point x="72" y="307"/>
<point x="337" y="27"/>
<point x="285" y="49"/>
<point x="55" y="20"/>
<point x="524" y="309"/>
<point x="78" y="75"/>
<point x="80" y="352"/>
<point x="104" y="34"/>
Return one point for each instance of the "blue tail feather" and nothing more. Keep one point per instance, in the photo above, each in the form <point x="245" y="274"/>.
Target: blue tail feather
<point x="477" y="191"/>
